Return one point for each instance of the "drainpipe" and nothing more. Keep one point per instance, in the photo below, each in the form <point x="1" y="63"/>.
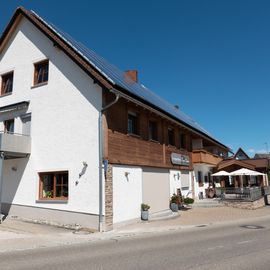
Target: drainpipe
<point x="100" y="139"/>
<point x="2" y="156"/>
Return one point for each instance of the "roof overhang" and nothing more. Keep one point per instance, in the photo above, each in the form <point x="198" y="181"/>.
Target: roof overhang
<point x="56" y="40"/>
<point x="227" y="163"/>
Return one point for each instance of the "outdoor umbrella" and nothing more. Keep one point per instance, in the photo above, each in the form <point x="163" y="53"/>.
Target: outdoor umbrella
<point x="221" y="173"/>
<point x="245" y="171"/>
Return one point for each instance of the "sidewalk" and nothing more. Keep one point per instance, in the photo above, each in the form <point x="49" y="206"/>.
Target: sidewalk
<point x="20" y="235"/>
<point x="195" y="217"/>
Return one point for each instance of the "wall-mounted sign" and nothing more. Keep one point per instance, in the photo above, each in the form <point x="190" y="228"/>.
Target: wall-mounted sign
<point x="179" y="159"/>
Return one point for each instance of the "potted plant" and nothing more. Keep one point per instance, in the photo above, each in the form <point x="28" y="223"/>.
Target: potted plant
<point x="144" y="211"/>
<point x="174" y="203"/>
<point x="188" y="200"/>
<point x="48" y="194"/>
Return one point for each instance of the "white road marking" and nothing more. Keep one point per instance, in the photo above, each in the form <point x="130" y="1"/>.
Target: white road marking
<point x="215" y="247"/>
<point x="245" y="242"/>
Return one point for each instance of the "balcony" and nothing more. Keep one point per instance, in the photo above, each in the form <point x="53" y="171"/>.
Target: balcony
<point x="15" y="145"/>
<point x="203" y="157"/>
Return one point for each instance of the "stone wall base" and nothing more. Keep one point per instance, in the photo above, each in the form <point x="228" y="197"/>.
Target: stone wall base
<point x="247" y="205"/>
<point x="60" y="218"/>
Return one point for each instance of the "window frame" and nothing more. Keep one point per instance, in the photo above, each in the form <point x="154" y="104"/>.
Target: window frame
<point x="200" y="179"/>
<point x="150" y="136"/>
<point x="36" y="73"/>
<point x="183" y="140"/>
<point x="4" y="78"/>
<point x="136" y="128"/>
<point x="171" y="129"/>
<point x="6" y="125"/>
<point x="54" y="198"/>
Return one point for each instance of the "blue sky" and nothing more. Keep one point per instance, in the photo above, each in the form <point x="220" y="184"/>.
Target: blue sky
<point x="212" y="58"/>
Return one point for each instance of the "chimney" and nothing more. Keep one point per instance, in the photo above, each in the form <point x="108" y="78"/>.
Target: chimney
<point x="132" y="74"/>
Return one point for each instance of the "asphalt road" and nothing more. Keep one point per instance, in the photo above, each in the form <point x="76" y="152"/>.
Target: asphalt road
<point x="237" y="246"/>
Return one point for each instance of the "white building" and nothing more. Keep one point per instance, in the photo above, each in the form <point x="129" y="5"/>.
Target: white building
<point x="52" y="93"/>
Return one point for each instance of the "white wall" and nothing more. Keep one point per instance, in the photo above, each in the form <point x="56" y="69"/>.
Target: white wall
<point x="64" y="126"/>
<point x="175" y="183"/>
<point x="204" y="169"/>
<point x="127" y="193"/>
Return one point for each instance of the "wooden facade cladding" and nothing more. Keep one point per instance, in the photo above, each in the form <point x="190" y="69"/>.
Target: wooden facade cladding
<point x="202" y="156"/>
<point x="129" y="150"/>
<point x="123" y="148"/>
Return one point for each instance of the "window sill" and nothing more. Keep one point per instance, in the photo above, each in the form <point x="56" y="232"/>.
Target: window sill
<point x="171" y="146"/>
<point x="52" y="201"/>
<point x="134" y="135"/>
<point x="154" y="141"/>
<point x="7" y="94"/>
<point x="38" y="85"/>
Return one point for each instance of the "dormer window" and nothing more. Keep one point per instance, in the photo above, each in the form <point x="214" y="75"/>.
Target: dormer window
<point x="41" y="75"/>
<point x="7" y="83"/>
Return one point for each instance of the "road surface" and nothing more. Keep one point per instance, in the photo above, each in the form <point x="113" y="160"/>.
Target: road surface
<point x="239" y="246"/>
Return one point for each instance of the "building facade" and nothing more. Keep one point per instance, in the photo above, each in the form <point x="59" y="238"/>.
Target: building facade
<point x="85" y="143"/>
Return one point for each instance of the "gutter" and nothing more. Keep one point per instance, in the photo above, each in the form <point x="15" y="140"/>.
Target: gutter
<point x="100" y="140"/>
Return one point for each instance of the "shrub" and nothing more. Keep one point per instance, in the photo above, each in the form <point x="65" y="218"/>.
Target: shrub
<point x="175" y="199"/>
<point x="145" y="207"/>
<point x="188" y="200"/>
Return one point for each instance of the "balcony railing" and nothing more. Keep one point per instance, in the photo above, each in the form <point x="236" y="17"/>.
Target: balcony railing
<point x="242" y="194"/>
<point x="15" y="145"/>
<point x="202" y="156"/>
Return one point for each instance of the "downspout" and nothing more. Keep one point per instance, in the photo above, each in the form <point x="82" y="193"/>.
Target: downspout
<point x="100" y="127"/>
<point x="2" y="156"/>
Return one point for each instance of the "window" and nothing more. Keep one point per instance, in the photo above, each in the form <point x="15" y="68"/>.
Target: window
<point x="210" y="178"/>
<point x="153" y="131"/>
<point x="53" y="186"/>
<point x="200" y="179"/>
<point x="7" y="83"/>
<point x="171" y="140"/>
<point x="133" y="123"/>
<point x="183" y="140"/>
<point x="41" y="74"/>
<point x="9" y="126"/>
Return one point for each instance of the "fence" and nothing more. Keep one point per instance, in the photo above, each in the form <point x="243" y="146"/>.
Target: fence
<point x="266" y="190"/>
<point x="241" y="194"/>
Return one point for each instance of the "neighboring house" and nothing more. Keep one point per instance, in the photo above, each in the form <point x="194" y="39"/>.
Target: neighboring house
<point x="241" y="155"/>
<point x="262" y="156"/>
<point x="240" y="160"/>
<point x="64" y="109"/>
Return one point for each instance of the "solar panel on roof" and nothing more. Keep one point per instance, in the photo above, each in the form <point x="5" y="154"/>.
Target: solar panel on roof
<point x="117" y="77"/>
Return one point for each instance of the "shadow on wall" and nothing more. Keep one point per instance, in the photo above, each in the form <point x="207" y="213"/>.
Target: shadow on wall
<point x="12" y="175"/>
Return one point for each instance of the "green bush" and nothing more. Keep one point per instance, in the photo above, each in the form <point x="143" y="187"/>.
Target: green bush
<point x="175" y="199"/>
<point x="188" y="200"/>
<point x="145" y="207"/>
